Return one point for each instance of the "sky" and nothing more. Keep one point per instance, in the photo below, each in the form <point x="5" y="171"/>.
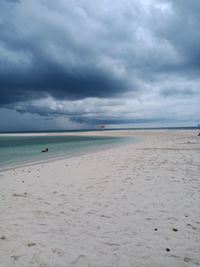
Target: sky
<point x="77" y="64"/>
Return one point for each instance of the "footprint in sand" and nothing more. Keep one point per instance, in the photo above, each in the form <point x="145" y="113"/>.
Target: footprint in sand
<point x="31" y="244"/>
<point x="15" y="257"/>
<point x="188" y="260"/>
<point x="193" y="227"/>
<point x="20" y="195"/>
<point x="81" y="261"/>
<point x="57" y="251"/>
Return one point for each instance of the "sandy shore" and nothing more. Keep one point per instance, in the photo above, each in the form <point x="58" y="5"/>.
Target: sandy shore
<point x="136" y="205"/>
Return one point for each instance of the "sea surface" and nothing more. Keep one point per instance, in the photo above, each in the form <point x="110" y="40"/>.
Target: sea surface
<point x="18" y="151"/>
<point x="22" y="150"/>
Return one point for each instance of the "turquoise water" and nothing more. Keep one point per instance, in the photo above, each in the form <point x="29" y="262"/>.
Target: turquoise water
<point x="20" y="150"/>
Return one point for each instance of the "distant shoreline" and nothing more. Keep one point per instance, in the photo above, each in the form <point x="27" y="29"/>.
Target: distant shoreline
<point x="100" y="130"/>
<point x="79" y="131"/>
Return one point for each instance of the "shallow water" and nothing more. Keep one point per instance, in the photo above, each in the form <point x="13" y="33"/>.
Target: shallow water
<point x="20" y="150"/>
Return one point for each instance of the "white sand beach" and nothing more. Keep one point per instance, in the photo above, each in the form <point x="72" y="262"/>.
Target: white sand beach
<point x="132" y="206"/>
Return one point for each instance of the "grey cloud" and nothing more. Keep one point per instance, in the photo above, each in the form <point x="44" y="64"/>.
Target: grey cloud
<point x="59" y="83"/>
<point x="13" y="1"/>
<point x="173" y="92"/>
<point x="74" y="50"/>
<point x="14" y="121"/>
<point x="182" y="32"/>
<point x="113" y="121"/>
<point x="55" y="64"/>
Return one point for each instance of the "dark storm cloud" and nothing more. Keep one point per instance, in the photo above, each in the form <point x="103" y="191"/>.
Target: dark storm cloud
<point x="113" y="121"/>
<point x="74" y="50"/>
<point x="54" y="80"/>
<point x="42" y="76"/>
<point x="45" y="74"/>
<point x="36" y="72"/>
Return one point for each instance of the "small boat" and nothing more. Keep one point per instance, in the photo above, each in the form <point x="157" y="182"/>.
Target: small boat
<point x="45" y="150"/>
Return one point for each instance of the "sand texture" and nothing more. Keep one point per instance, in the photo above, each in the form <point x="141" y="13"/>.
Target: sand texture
<point x="137" y="205"/>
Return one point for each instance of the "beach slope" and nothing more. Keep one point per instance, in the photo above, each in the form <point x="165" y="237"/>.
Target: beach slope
<point x="137" y="205"/>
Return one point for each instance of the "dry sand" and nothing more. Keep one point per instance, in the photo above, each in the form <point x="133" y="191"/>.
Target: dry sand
<point x="136" y="205"/>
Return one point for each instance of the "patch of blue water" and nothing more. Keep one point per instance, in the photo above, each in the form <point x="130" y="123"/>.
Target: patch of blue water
<point x="21" y="150"/>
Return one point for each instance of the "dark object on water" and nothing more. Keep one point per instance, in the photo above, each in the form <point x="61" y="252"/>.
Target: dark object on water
<point x="45" y="150"/>
<point x="175" y="229"/>
<point x="198" y="134"/>
<point x="167" y="249"/>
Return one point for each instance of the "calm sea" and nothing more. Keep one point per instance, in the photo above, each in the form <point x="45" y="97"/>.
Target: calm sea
<point x="20" y="150"/>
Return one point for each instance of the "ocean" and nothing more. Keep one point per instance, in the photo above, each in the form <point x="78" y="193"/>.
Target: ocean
<point x="18" y="151"/>
<point x="21" y="150"/>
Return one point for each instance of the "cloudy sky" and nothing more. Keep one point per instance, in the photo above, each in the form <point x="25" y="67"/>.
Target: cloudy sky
<point x="77" y="64"/>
